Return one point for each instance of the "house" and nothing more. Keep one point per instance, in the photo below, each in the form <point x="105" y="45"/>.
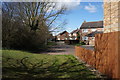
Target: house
<point x="87" y="28"/>
<point x="91" y="36"/>
<point x="74" y="35"/>
<point x="63" y="36"/>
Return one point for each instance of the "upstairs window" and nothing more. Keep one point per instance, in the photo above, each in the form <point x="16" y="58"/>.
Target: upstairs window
<point x="84" y="38"/>
<point x="85" y="30"/>
<point x="93" y="29"/>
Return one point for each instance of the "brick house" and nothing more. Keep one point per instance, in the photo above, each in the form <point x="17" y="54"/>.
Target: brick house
<point x="90" y="28"/>
<point x="74" y="35"/>
<point x="91" y="36"/>
<point x="62" y="36"/>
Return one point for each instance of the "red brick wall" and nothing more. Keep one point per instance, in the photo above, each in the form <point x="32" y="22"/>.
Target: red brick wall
<point x="106" y="57"/>
<point x="89" y="31"/>
<point x="63" y="36"/>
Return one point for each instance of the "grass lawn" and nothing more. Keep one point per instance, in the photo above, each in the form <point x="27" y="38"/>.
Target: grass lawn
<point x="28" y="66"/>
<point x="51" y="43"/>
<point x="78" y="44"/>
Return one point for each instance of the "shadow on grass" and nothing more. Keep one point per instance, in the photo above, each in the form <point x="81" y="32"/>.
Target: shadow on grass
<point x="24" y="69"/>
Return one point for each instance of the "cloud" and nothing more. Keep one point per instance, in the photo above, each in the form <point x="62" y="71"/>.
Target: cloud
<point x="91" y="8"/>
<point x="69" y="4"/>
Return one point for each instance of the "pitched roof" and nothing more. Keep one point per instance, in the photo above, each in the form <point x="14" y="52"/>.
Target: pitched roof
<point x="62" y="32"/>
<point x="75" y="31"/>
<point x="92" y="34"/>
<point x="96" y="24"/>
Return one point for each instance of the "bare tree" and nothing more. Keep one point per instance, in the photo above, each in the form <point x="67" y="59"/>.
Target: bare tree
<point x="31" y="20"/>
<point x="36" y="14"/>
<point x="40" y="15"/>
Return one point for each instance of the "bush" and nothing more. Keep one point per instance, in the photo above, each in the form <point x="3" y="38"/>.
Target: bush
<point x="24" y="39"/>
<point x="81" y="43"/>
<point x="24" y="31"/>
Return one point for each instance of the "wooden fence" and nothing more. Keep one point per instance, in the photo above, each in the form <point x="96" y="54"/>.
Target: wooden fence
<point x="106" y="56"/>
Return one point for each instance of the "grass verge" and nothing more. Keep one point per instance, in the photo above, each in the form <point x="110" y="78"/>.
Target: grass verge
<point x="28" y="66"/>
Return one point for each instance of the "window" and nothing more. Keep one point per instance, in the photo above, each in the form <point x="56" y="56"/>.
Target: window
<point x="65" y="38"/>
<point x="93" y="29"/>
<point x="93" y="38"/>
<point x="100" y="29"/>
<point x="58" y="38"/>
<point x="69" y="34"/>
<point x="84" y="38"/>
<point x="74" y="34"/>
<point x="70" y="38"/>
<point x="85" y="30"/>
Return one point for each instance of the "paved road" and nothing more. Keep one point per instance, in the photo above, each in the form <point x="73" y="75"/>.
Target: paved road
<point x="61" y="49"/>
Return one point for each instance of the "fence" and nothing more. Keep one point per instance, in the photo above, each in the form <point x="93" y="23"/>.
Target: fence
<point x="106" y="55"/>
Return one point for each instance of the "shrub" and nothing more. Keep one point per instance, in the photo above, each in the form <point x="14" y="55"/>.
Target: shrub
<point x="82" y="43"/>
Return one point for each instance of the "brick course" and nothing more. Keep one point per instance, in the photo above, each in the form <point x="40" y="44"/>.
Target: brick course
<point x="111" y="16"/>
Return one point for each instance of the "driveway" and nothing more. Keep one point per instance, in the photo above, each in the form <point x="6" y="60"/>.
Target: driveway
<point x="61" y="48"/>
<point x="90" y="47"/>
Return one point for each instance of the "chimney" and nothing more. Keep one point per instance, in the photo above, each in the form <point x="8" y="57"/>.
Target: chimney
<point x="84" y="21"/>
